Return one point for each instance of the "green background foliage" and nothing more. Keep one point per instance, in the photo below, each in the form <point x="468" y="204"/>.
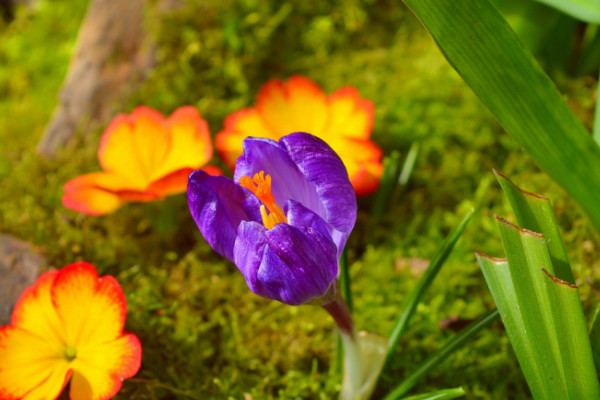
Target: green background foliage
<point x="205" y="335"/>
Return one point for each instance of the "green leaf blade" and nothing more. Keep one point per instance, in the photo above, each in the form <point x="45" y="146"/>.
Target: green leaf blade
<point x="446" y="394"/>
<point x="575" y="348"/>
<point x="433" y="361"/>
<point x="526" y="255"/>
<point x="484" y="50"/>
<point x="432" y="270"/>
<point x="534" y="212"/>
<point x="584" y="10"/>
<point x="499" y="280"/>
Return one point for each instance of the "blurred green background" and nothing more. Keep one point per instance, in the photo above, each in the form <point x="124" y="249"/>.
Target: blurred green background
<point x="204" y="334"/>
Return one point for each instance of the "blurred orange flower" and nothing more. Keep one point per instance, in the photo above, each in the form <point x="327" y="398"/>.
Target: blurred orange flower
<point x="68" y="326"/>
<point x="343" y="120"/>
<point x="145" y="157"/>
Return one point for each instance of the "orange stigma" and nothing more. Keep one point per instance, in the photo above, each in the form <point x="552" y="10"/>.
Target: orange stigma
<point x="260" y="185"/>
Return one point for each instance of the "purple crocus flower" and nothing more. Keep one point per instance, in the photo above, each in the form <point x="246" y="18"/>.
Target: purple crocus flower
<point x="283" y="220"/>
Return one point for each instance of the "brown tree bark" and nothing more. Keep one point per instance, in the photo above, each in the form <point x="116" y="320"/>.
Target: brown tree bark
<point x="110" y="59"/>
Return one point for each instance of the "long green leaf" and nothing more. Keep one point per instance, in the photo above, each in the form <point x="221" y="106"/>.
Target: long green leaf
<point x="457" y="342"/>
<point x="498" y="278"/>
<point x="526" y="253"/>
<point x="584" y="10"/>
<point x="575" y="348"/>
<point x="432" y="270"/>
<point x="543" y="317"/>
<point x="534" y="212"/>
<point x="484" y="50"/>
<point x="446" y="394"/>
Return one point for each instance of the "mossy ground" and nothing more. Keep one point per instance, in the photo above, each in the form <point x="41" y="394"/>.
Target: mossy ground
<point x="204" y="334"/>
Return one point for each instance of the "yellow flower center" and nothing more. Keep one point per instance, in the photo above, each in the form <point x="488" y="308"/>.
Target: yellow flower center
<point x="70" y="353"/>
<point x="260" y="185"/>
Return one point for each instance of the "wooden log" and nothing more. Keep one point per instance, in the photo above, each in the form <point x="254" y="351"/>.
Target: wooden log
<point x="110" y="59"/>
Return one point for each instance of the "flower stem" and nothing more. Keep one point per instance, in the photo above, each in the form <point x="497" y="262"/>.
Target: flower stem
<point x="338" y="309"/>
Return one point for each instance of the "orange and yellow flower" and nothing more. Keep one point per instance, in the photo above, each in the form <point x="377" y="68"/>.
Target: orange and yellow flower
<point x="145" y="157"/>
<point x="68" y="326"/>
<point x="343" y="120"/>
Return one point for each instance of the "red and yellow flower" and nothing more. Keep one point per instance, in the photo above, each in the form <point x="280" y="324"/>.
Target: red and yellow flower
<point x="145" y="157"/>
<point x="343" y="120"/>
<point x="68" y="326"/>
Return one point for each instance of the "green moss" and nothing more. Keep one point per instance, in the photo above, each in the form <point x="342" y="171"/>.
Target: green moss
<point x="205" y="335"/>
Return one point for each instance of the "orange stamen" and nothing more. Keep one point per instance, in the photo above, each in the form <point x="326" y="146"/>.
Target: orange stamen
<point x="260" y="185"/>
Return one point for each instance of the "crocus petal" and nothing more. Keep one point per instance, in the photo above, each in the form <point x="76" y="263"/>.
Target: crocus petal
<point x="134" y="146"/>
<point x="237" y="125"/>
<point x="99" y="370"/>
<point x="92" y="309"/>
<point x="288" y="182"/>
<point x="321" y="166"/>
<point x="248" y="254"/>
<point x="189" y="144"/>
<point x="349" y="116"/>
<point x="29" y="366"/>
<point x="218" y="206"/>
<point x="297" y="105"/>
<point x="298" y="265"/>
<point x="300" y="216"/>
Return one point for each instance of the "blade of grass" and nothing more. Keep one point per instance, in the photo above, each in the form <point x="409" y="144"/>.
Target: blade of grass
<point x="485" y="51"/>
<point x="597" y="113"/>
<point x="415" y="297"/>
<point x="446" y="394"/>
<point x="387" y="184"/>
<point x="345" y="279"/>
<point x="405" y="174"/>
<point x="409" y="164"/>
<point x="457" y="342"/>
<point x="347" y="295"/>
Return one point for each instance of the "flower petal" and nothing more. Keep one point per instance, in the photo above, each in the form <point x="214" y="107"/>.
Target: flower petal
<point x="349" y="116"/>
<point x="173" y="183"/>
<point x="99" y="369"/>
<point x="296" y="105"/>
<point x="218" y="205"/>
<point x="238" y="126"/>
<point x="190" y="146"/>
<point x="92" y="309"/>
<point x="134" y="146"/>
<point x="35" y="313"/>
<point x="30" y="366"/>
<point x="287" y="180"/>
<point x="299" y="264"/>
<point x="94" y="194"/>
<point x="300" y="216"/>
<point x="363" y="163"/>
<point x="176" y="182"/>
<point x="248" y="253"/>
<point x="321" y="166"/>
